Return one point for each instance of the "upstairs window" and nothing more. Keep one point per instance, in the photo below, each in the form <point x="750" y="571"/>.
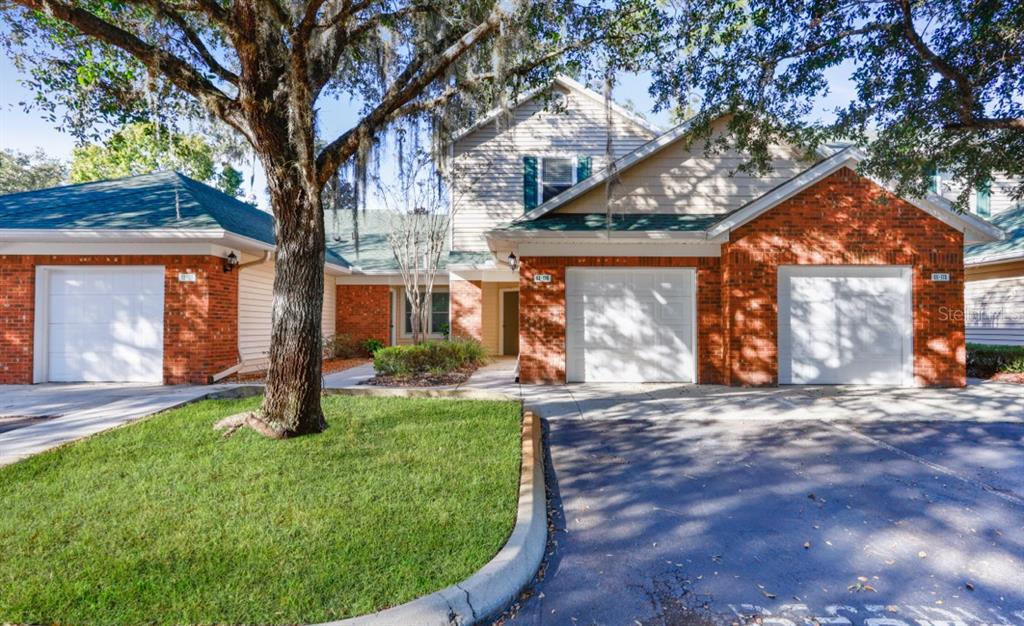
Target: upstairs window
<point x="556" y="175"/>
<point x="546" y="177"/>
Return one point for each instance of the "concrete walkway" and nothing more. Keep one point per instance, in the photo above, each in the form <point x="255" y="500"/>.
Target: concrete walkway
<point x="348" y="378"/>
<point x="80" y="410"/>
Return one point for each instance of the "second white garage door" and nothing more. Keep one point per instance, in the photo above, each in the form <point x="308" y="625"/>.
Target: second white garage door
<point x="103" y="324"/>
<point x="630" y="325"/>
<point x="845" y="325"/>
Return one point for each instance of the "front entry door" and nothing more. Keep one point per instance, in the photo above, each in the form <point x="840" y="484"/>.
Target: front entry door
<point x="510" y="323"/>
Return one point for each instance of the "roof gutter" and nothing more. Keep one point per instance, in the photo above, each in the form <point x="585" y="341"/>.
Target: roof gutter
<point x="690" y="236"/>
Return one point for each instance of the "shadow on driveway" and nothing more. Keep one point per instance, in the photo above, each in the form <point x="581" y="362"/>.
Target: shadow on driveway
<point x="782" y="507"/>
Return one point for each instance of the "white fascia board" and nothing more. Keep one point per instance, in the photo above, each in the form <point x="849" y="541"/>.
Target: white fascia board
<point x="108" y="234"/>
<point x="384" y="278"/>
<point x="994" y="259"/>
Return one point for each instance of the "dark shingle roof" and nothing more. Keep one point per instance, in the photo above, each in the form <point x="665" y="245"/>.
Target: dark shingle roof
<point x="634" y="222"/>
<point x="158" y="201"/>
<point x="1012" y="223"/>
<point x="374" y="252"/>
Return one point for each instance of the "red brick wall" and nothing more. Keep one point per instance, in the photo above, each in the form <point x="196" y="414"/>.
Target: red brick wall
<point x="542" y="313"/>
<point x="364" y="312"/>
<point x="466" y="309"/>
<point x="845" y="219"/>
<point x="200" y="318"/>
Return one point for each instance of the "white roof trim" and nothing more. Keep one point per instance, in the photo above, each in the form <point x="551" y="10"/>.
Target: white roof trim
<point x="567" y="83"/>
<point x="122" y="235"/>
<point x="993" y="259"/>
<point x="849" y="157"/>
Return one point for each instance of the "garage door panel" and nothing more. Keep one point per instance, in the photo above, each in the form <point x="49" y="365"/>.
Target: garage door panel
<point x="629" y="325"/>
<point x="844" y="324"/>
<point x="104" y="324"/>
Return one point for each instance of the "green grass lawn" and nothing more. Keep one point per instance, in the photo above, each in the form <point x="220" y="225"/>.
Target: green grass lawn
<point x="167" y="522"/>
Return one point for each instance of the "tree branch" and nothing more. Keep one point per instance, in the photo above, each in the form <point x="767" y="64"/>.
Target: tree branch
<point x="407" y="86"/>
<point x="964" y="89"/>
<point x="178" y="71"/>
<point x="988" y="123"/>
<point x="196" y="41"/>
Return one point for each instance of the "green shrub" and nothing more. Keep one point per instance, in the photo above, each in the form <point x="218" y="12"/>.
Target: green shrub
<point x="372" y="345"/>
<point x="434" y="357"/>
<point x="984" y="361"/>
<point x="342" y="346"/>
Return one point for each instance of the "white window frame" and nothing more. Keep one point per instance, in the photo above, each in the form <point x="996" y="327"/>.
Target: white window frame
<point x="400" y="323"/>
<point x="573" y="158"/>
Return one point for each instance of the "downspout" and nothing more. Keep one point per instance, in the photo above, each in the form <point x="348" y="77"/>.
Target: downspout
<point x="219" y="376"/>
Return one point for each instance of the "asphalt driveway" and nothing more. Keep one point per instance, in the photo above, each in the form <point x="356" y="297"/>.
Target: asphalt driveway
<point x="821" y="506"/>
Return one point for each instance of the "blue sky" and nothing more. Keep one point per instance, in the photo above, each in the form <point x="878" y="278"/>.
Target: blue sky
<point x="27" y="131"/>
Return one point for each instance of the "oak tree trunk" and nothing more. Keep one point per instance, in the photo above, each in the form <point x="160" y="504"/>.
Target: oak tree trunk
<point x="292" y="403"/>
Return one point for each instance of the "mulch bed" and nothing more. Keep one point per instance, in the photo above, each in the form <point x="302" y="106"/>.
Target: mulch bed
<point x="329" y="367"/>
<point x="1008" y="377"/>
<point x="424" y="380"/>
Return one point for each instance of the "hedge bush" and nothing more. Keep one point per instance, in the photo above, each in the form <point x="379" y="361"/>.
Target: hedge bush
<point x="434" y="357"/>
<point x="342" y="346"/>
<point x="985" y="361"/>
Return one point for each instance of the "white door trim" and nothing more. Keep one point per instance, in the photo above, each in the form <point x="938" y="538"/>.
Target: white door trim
<point x="41" y="314"/>
<point x="784" y="338"/>
<point x="501" y="317"/>
<point x="694" y="366"/>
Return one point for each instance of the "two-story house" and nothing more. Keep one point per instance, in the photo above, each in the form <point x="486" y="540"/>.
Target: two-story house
<point x="810" y="274"/>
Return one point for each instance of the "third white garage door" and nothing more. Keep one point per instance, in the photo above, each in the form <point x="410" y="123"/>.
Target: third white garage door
<point x="630" y="325"/>
<point x="845" y="325"/>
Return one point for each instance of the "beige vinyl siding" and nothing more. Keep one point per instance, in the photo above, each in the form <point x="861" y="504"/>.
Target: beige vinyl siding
<point x="491" y="314"/>
<point x="682" y="179"/>
<point x="255" y="302"/>
<point x="994" y="304"/>
<point x="489" y="161"/>
<point x="1001" y="199"/>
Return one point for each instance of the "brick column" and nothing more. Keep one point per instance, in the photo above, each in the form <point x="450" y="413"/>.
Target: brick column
<point x="466" y="308"/>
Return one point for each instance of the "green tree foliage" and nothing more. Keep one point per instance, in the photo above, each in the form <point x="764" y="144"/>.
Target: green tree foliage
<point x="20" y="171"/>
<point x="938" y="83"/>
<point x="144" y="147"/>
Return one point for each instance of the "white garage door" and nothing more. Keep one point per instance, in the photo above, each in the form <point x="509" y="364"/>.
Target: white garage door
<point x="845" y="324"/>
<point x="104" y="324"/>
<point x="630" y="325"/>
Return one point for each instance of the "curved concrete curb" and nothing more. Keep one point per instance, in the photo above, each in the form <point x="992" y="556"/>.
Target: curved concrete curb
<point x="487" y="592"/>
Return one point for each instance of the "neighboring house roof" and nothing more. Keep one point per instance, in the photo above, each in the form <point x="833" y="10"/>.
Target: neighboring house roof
<point x="374" y="252"/>
<point x="165" y="203"/>
<point x="566" y="83"/>
<point x="1008" y="249"/>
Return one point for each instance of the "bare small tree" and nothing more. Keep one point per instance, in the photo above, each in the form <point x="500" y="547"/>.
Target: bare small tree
<point x="418" y="233"/>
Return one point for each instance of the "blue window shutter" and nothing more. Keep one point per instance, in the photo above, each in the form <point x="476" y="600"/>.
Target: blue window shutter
<point x="983" y="201"/>
<point x="529" y="182"/>
<point x="582" y="168"/>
